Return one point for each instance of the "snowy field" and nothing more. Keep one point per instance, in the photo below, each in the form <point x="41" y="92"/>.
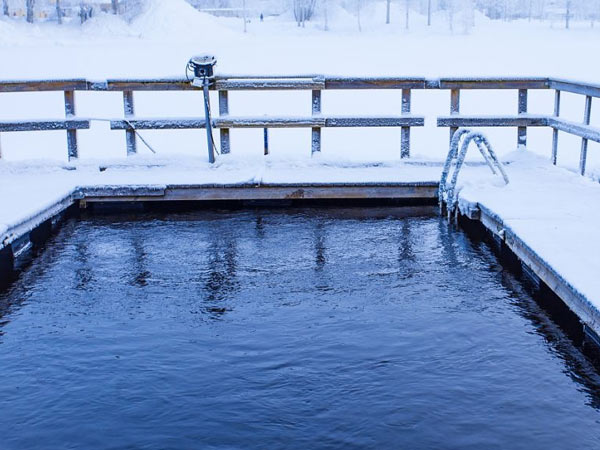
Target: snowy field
<point x="159" y="42"/>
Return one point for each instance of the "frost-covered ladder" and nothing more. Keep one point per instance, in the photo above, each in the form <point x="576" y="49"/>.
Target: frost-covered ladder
<point x="462" y="138"/>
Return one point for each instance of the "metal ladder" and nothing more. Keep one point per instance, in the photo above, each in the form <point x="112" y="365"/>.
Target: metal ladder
<point x="462" y="138"/>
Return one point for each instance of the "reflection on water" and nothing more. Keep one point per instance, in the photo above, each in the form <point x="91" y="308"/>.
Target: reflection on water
<point x="270" y="329"/>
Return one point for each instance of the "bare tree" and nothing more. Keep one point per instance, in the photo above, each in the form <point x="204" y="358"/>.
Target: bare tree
<point x="429" y="13"/>
<point x="387" y="11"/>
<point x="244" y="15"/>
<point x="407" y="13"/>
<point x="115" y="6"/>
<point x="358" y="7"/>
<point x="5" y="7"/>
<point x="58" y="12"/>
<point x="303" y="11"/>
<point x="326" y="26"/>
<point x="30" y="4"/>
<point x="567" y="14"/>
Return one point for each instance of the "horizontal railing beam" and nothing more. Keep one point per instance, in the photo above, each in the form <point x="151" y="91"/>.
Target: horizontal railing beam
<point x="578" y="129"/>
<point x="493" y="83"/>
<point x="374" y="83"/>
<point x="44" y="125"/>
<point x="300" y="82"/>
<point x="492" y="121"/>
<point x="269" y="122"/>
<point x="166" y="84"/>
<point x="44" y="85"/>
<point x="260" y="84"/>
<point x="575" y="87"/>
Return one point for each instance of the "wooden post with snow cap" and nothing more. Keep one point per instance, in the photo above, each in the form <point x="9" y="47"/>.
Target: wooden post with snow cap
<point x="454" y="108"/>
<point x="129" y="111"/>
<point x="555" y="130"/>
<point x="223" y="112"/>
<point x="316" y="131"/>
<point x="71" y="133"/>
<point x="522" y="131"/>
<point x="405" y="131"/>
<point x="584" y="142"/>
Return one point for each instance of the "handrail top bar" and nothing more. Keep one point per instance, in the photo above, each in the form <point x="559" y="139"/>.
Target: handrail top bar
<point x="302" y="82"/>
<point x="575" y="87"/>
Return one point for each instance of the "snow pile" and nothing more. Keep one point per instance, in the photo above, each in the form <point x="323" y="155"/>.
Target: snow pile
<point x="104" y="25"/>
<point x="176" y="20"/>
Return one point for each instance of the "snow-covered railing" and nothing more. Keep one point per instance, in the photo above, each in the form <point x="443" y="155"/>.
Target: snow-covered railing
<point x="316" y="121"/>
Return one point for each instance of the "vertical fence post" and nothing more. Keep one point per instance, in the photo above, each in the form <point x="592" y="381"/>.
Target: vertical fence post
<point x="224" y="111"/>
<point x="266" y="140"/>
<point x="129" y="110"/>
<point x="316" y="131"/>
<point x="555" y="131"/>
<point x="454" y="108"/>
<point x="584" y="142"/>
<point x="405" y="131"/>
<point x="522" y="131"/>
<point x="71" y="134"/>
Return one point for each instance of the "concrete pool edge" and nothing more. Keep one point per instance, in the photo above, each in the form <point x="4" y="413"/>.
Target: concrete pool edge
<point x="35" y="230"/>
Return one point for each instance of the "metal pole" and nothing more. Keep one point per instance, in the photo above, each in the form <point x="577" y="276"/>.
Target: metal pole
<point x="209" y="138"/>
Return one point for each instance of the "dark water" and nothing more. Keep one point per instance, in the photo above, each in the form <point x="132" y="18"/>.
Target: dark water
<point x="295" y="329"/>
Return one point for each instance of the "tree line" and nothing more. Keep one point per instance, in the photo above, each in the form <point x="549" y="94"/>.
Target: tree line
<point x="564" y="11"/>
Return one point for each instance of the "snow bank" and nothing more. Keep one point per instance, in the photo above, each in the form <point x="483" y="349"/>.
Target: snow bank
<point x="103" y="25"/>
<point x="176" y="20"/>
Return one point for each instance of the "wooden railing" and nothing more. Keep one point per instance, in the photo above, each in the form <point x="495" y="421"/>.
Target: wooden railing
<point x="317" y="120"/>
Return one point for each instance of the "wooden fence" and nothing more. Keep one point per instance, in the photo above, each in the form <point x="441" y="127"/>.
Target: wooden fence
<point x="521" y="120"/>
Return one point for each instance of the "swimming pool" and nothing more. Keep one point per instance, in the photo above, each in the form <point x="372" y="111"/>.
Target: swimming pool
<point x="326" y="328"/>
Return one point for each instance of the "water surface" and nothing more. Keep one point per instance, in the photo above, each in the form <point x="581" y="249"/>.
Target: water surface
<point x="283" y="329"/>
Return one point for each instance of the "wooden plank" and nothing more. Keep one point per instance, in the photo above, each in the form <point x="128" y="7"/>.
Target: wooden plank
<point x="129" y="112"/>
<point x="374" y="83"/>
<point x="340" y="191"/>
<point x="44" y="125"/>
<point x="316" y="131"/>
<point x="44" y="85"/>
<point x="224" y="132"/>
<point x="162" y="84"/>
<point x="275" y="84"/>
<point x="492" y="121"/>
<point x="397" y="121"/>
<point x="575" y="87"/>
<point x="269" y="122"/>
<point x="585" y="131"/>
<point x="493" y="83"/>
<point x="72" y="151"/>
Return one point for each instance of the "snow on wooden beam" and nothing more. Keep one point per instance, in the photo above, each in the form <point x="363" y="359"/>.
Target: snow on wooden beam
<point x="44" y="85"/>
<point x="261" y="84"/>
<point x="45" y="125"/>
<point x="492" y="121"/>
<point x="269" y="122"/>
<point x="374" y="83"/>
<point x="493" y="83"/>
<point x="160" y="84"/>
<point x="578" y="129"/>
<point x="575" y="87"/>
